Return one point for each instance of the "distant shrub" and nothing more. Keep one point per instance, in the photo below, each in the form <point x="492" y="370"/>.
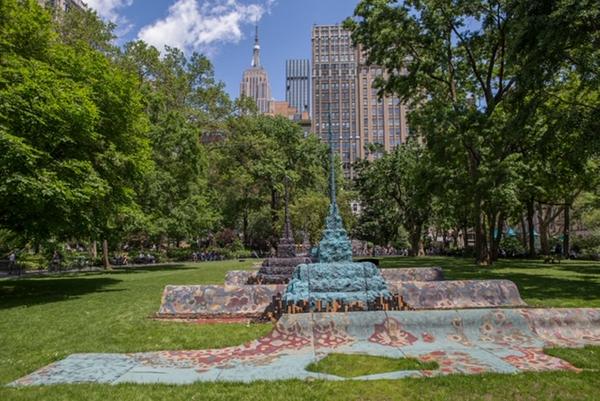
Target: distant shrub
<point x="179" y="254"/>
<point x="587" y="242"/>
<point x="512" y="246"/>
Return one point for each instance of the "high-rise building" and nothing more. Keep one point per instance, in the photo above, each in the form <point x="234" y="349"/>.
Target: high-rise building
<point x="255" y="81"/>
<point x="63" y="5"/>
<point x="297" y="84"/>
<point x="342" y="86"/>
<point x="334" y="68"/>
<point x="382" y="121"/>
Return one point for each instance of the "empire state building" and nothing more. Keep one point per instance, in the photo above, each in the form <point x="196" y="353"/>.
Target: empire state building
<point x="255" y="82"/>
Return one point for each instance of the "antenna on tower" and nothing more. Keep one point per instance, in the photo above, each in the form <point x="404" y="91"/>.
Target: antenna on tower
<point x="256" y="51"/>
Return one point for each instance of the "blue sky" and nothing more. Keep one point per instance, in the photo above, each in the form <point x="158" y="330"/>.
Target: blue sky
<point x="224" y="30"/>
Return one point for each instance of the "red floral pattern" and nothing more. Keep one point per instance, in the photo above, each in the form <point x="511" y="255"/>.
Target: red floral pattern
<point x="534" y="359"/>
<point x="390" y="333"/>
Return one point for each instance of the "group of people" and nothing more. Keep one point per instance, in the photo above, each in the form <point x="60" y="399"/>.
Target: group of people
<point x="206" y="256"/>
<point x="361" y="248"/>
<point x="141" y="259"/>
<point x="147" y="259"/>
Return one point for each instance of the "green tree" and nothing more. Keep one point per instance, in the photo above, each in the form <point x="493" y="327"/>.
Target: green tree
<point x="72" y="132"/>
<point x="183" y="101"/>
<point x="394" y="189"/>
<point x="250" y="166"/>
<point x="454" y="63"/>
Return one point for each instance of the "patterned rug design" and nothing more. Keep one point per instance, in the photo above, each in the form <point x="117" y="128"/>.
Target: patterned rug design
<point x="236" y="299"/>
<point x="461" y="341"/>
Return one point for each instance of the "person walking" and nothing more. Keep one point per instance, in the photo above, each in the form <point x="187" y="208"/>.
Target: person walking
<point x="56" y="259"/>
<point x="12" y="263"/>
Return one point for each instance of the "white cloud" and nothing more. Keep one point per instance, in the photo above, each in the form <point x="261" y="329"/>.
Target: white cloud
<point x="193" y="25"/>
<point x="109" y="10"/>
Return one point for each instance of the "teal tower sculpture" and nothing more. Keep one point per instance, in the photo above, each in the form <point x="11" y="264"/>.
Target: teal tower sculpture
<point x="335" y="279"/>
<point x="335" y="247"/>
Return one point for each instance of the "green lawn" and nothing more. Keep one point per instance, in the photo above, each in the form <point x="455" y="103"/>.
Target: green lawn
<point x="568" y="284"/>
<point x="345" y="365"/>
<point x="43" y="320"/>
<point x="587" y="358"/>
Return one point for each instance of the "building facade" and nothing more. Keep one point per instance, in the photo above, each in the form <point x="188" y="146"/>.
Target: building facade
<point x="255" y="81"/>
<point x="297" y="84"/>
<point x="342" y="86"/>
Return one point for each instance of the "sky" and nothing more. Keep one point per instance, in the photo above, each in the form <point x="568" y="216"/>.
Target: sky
<point x="224" y="30"/>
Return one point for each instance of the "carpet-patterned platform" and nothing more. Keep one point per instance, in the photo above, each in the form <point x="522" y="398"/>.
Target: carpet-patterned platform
<point x="420" y="288"/>
<point x="461" y="341"/>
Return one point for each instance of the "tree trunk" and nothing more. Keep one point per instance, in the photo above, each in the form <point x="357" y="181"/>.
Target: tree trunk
<point x="455" y="238"/>
<point x="496" y="238"/>
<point x="481" y="249"/>
<point x="491" y="217"/>
<point x="105" y="260"/>
<point x="523" y="233"/>
<point x="245" y="227"/>
<point x="531" y="228"/>
<point x="416" y="245"/>
<point x="544" y="246"/>
<point x="567" y="230"/>
<point x="545" y="217"/>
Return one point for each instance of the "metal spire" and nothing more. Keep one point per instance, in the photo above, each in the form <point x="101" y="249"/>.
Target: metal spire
<point x="288" y="226"/>
<point x="332" y="184"/>
<point x="256" y="51"/>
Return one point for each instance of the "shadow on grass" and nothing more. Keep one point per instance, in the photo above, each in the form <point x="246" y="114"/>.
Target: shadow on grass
<point x="570" y="281"/>
<point x="544" y="287"/>
<point x="149" y="268"/>
<point x="29" y="292"/>
<point x="582" y="269"/>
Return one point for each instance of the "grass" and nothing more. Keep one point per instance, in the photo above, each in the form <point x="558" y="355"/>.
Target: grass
<point x="584" y="358"/>
<point x="45" y="319"/>
<point x="569" y="284"/>
<point x="345" y="365"/>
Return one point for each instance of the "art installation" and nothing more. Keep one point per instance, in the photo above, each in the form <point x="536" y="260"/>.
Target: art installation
<point x="278" y="270"/>
<point x="335" y="283"/>
<point x="341" y="306"/>
<point x="468" y="341"/>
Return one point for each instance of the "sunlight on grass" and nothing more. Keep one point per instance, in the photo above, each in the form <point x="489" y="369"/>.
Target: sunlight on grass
<point x="345" y="365"/>
<point x="583" y="358"/>
<point x="46" y="319"/>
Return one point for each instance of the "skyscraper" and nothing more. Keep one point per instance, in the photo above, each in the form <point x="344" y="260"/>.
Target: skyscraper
<point x="342" y="84"/>
<point x="334" y="91"/>
<point x="297" y="84"/>
<point x="255" y="81"/>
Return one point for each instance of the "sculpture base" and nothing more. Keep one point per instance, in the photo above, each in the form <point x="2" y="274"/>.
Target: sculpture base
<point x="356" y="286"/>
<point x="277" y="270"/>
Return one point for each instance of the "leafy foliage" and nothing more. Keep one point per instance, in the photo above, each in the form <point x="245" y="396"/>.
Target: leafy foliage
<point x="504" y="122"/>
<point x="72" y="131"/>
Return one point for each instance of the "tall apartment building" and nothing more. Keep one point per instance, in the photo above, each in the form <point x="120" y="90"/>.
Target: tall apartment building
<point x="63" y="5"/>
<point x="297" y="84"/>
<point x="342" y="84"/>
<point x="255" y="81"/>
